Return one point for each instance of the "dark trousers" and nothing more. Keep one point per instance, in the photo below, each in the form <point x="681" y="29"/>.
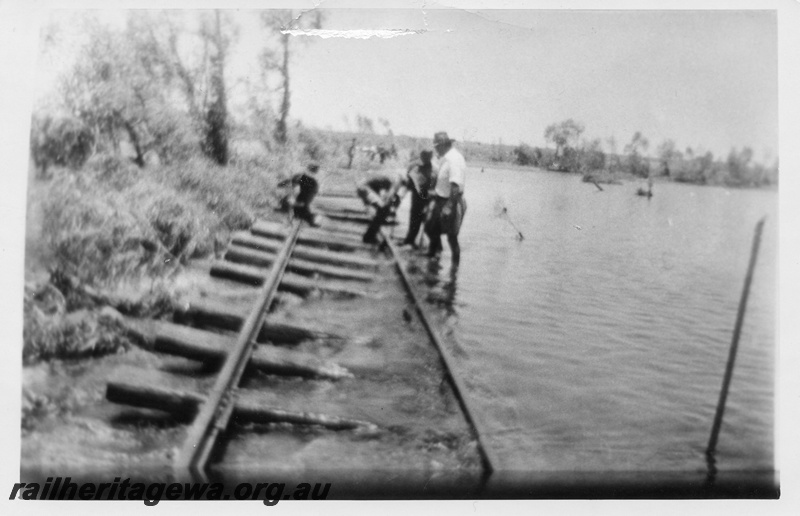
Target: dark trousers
<point x="370" y="236"/>
<point x="416" y="216"/>
<point x="438" y="224"/>
<point x="302" y="212"/>
<point x="433" y="228"/>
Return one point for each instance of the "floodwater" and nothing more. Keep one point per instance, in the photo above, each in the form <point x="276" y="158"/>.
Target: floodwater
<point x="598" y="343"/>
<point x="593" y="347"/>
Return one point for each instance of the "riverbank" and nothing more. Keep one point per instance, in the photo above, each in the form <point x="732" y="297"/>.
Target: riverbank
<point x="605" y="176"/>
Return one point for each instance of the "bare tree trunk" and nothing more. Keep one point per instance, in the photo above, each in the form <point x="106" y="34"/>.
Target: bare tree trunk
<point x="139" y="159"/>
<point x="216" y="117"/>
<point x="174" y="62"/>
<point x="280" y="126"/>
<point x="137" y="146"/>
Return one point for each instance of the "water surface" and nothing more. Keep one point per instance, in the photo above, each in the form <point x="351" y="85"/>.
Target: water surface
<point x="599" y="341"/>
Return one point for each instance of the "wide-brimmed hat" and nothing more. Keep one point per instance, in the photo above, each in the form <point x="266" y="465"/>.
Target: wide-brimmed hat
<point x="441" y="138"/>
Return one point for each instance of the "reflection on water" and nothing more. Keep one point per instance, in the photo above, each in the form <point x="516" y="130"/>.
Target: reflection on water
<point x="598" y="343"/>
<point x="442" y="286"/>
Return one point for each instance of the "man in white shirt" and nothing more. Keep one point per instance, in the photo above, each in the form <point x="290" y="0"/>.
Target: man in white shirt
<point x="449" y="205"/>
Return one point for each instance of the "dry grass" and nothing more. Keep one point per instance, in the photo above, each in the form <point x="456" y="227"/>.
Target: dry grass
<point x="112" y="224"/>
<point x="112" y="220"/>
<point x="49" y="332"/>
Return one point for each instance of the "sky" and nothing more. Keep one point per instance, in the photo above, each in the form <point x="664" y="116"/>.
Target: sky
<point x="706" y="79"/>
<point x="700" y="78"/>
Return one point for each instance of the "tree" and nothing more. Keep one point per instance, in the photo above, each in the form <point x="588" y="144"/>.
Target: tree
<point x="637" y="163"/>
<point x="739" y="165"/>
<point x="667" y="152"/>
<point x="564" y="135"/>
<point x="697" y="166"/>
<point x="64" y="141"/>
<point x="200" y="76"/>
<point x="497" y="150"/>
<point x="100" y="88"/>
<point x="215" y="141"/>
<point x="279" y="23"/>
<point x="611" y="144"/>
<point x="387" y="126"/>
<point x="524" y="154"/>
<point x="114" y="89"/>
<point x="591" y="156"/>
<point x="260" y="114"/>
<point x="365" y="124"/>
<point x="638" y="144"/>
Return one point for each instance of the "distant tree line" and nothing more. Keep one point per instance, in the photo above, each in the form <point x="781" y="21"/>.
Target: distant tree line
<point x="575" y="155"/>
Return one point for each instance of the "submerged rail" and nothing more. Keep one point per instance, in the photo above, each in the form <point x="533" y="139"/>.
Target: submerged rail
<point x="490" y="461"/>
<point x="293" y="259"/>
<point x="216" y="410"/>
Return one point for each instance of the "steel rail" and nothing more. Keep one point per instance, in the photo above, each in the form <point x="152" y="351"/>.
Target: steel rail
<point x="214" y="414"/>
<point x="489" y="459"/>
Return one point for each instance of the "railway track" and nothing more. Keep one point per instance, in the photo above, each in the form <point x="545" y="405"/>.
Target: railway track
<point x="275" y="259"/>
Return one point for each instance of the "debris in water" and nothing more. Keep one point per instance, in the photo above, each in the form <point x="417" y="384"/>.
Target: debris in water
<point x="501" y="211"/>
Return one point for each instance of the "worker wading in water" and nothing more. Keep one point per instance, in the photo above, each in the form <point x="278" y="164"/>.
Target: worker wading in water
<point x="419" y="182"/>
<point x="449" y="205"/>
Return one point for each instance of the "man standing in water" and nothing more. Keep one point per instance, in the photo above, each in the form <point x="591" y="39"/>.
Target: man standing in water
<point x="419" y="178"/>
<point x="449" y="205"/>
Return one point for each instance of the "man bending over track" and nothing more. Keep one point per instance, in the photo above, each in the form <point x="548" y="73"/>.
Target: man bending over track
<point x="304" y="188"/>
<point x="383" y="193"/>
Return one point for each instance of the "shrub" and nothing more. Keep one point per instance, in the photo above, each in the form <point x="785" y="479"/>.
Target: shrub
<point x="171" y="136"/>
<point x="76" y="335"/>
<point x="311" y="144"/>
<point x="175" y="225"/>
<point x="46" y="338"/>
<point x="118" y="173"/>
<point x="569" y="161"/>
<point x="699" y="170"/>
<point x="637" y="165"/>
<point x="590" y="157"/>
<point x="91" y="236"/>
<point x="60" y="140"/>
<point x="229" y="193"/>
<point x="98" y="233"/>
<point x="527" y="155"/>
<point x="33" y="407"/>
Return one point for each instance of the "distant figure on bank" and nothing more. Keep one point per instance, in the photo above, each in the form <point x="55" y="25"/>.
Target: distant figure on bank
<point x="419" y="183"/>
<point x="383" y="153"/>
<point x="351" y="152"/>
<point x="449" y="205"/>
<point x="304" y="187"/>
<point x="382" y="193"/>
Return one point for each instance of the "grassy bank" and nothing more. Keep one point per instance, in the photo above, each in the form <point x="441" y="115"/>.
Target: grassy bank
<point x="116" y="233"/>
<point x="111" y="233"/>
